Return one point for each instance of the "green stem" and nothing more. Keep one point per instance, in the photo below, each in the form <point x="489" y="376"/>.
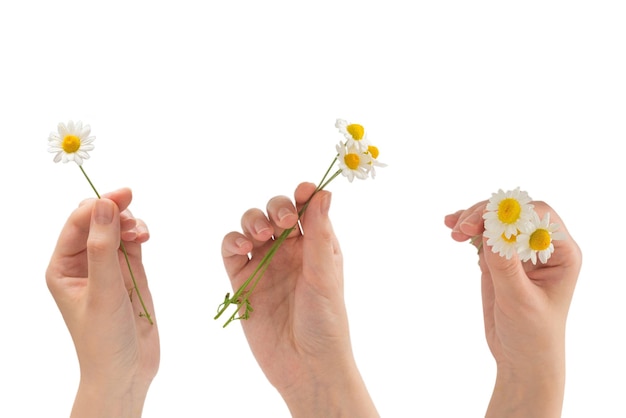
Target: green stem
<point x="89" y="180"/>
<point x="123" y="247"/>
<point x="243" y="292"/>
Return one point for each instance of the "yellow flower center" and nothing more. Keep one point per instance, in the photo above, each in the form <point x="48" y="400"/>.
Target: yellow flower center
<point x="511" y="239"/>
<point x="71" y="143"/>
<point x="357" y="131"/>
<point x="539" y="240"/>
<point x="509" y="210"/>
<point x="373" y="151"/>
<point x="352" y="161"/>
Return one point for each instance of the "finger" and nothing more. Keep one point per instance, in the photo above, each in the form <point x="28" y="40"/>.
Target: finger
<point x="127" y="222"/>
<point x="102" y="250"/>
<point x="472" y="224"/>
<point x="74" y="233"/>
<point x="86" y="201"/>
<point x="235" y="250"/>
<point x="451" y="219"/>
<point x="121" y="197"/>
<point x="283" y="215"/>
<point x="566" y="255"/>
<point x="469" y="222"/>
<point x="141" y="231"/>
<point x="70" y="245"/>
<point x="256" y="227"/>
<point x="508" y="276"/>
<point x="321" y="248"/>
<point x="303" y="193"/>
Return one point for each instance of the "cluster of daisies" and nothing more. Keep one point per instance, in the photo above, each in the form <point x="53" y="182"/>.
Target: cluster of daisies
<point x="357" y="156"/>
<point x="512" y="226"/>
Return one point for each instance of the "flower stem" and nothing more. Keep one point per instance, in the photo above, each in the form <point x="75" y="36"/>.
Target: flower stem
<point x="123" y="248"/>
<point x="89" y="180"/>
<point x="241" y="296"/>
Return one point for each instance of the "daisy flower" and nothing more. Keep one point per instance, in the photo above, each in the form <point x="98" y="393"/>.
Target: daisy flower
<point x="355" y="158"/>
<point x="373" y="152"/>
<point x="500" y="244"/>
<point x="71" y="142"/>
<point x="537" y="241"/>
<point x="508" y="212"/>
<point x="353" y="163"/>
<point x="354" y="133"/>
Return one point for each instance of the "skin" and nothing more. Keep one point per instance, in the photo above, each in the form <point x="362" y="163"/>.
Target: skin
<point x="298" y="331"/>
<point x="525" y="310"/>
<point x="118" y="351"/>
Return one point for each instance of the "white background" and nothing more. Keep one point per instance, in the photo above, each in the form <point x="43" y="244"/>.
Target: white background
<point x="207" y="108"/>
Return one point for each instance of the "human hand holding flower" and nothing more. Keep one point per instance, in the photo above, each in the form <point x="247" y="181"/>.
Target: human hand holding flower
<point x="88" y="277"/>
<point x="299" y="331"/>
<point x="525" y="307"/>
<point x="72" y="142"/>
<point x="357" y="158"/>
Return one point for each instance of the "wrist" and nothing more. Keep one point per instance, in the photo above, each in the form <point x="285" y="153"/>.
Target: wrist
<point x="100" y="400"/>
<point x="335" y="393"/>
<point x="535" y="391"/>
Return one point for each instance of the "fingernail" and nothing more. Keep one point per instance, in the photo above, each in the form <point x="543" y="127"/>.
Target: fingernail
<point x="260" y="227"/>
<point x="283" y="213"/>
<point x="470" y="221"/>
<point x="141" y="229"/>
<point x="103" y="213"/>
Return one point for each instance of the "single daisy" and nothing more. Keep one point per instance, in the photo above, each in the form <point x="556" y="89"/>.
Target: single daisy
<point x="537" y="241"/>
<point x="502" y="245"/>
<point x="508" y="212"/>
<point x="373" y="152"/>
<point x="71" y="142"/>
<point x="354" y="133"/>
<point x="353" y="163"/>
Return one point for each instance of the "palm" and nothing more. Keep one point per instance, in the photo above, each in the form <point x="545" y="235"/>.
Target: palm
<point x="512" y="318"/>
<point x="294" y="315"/>
<point x="141" y="335"/>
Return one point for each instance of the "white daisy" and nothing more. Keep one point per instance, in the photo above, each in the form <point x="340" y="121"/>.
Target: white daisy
<point x="538" y="240"/>
<point x="353" y="163"/>
<point x="71" y="142"/>
<point x="354" y="133"/>
<point x="373" y="152"/>
<point x="508" y="212"/>
<point x="502" y="245"/>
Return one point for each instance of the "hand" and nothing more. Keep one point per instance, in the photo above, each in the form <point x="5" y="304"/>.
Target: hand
<point x="525" y="309"/>
<point x="88" y="277"/>
<point x="298" y="330"/>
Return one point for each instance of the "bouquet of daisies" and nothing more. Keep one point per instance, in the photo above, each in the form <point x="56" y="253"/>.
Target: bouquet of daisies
<point x="357" y="158"/>
<point x="512" y="226"/>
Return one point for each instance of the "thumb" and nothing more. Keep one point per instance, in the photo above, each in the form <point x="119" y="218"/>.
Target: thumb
<point x="320" y="243"/>
<point x="102" y="248"/>
<point x="508" y="275"/>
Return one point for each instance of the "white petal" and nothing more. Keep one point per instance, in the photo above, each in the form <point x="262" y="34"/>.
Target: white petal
<point x="85" y="131"/>
<point x="62" y="130"/>
<point x="82" y="154"/>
